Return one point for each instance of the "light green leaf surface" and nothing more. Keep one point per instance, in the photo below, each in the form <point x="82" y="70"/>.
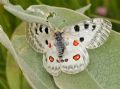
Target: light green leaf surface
<point x="102" y="73"/>
<point x="61" y="17"/>
<point x="53" y="14"/>
<point x="22" y="14"/>
<point x="15" y="76"/>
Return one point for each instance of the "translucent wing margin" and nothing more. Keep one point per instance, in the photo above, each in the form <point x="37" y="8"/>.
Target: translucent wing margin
<point x="101" y="34"/>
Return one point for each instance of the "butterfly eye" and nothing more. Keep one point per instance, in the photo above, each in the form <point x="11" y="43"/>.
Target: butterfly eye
<point x="76" y="57"/>
<point x="51" y="58"/>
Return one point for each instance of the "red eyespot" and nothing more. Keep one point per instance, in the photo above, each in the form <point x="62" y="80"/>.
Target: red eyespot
<point x="51" y="58"/>
<point x="49" y="45"/>
<point x="75" y="43"/>
<point x="76" y="57"/>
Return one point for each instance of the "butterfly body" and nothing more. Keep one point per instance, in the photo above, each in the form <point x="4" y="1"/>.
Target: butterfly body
<point x="60" y="44"/>
<point x="66" y="49"/>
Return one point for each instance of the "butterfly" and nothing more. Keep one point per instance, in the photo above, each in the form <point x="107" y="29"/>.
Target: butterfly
<point x="66" y="49"/>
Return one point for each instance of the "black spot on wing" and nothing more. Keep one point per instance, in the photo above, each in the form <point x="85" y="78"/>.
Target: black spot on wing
<point x="46" y="41"/>
<point x="76" y="28"/>
<point x="86" y="26"/>
<point x="40" y="28"/>
<point x="81" y="39"/>
<point x="93" y="26"/>
<point x="46" y="30"/>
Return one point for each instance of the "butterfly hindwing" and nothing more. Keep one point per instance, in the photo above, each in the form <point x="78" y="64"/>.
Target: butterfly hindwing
<point x="51" y="61"/>
<point x="92" y="33"/>
<point x="75" y="58"/>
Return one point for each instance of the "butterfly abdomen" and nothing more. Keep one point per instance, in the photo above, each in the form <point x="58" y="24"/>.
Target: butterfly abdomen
<point x="59" y="44"/>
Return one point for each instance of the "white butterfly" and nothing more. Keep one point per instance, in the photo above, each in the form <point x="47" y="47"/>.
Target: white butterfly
<point x="66" y="49"/>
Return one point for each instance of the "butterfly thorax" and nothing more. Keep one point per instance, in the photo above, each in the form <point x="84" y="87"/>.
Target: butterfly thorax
<point x="60" y="44"/>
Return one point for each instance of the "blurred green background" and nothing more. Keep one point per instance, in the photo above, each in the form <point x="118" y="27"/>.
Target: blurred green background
<point x="109" y="9"/>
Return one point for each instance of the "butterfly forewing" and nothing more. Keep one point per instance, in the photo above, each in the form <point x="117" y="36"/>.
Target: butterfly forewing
<point x="101" y="34"/>
<point x="39" y="36"/>
<point x="92" y="33"/>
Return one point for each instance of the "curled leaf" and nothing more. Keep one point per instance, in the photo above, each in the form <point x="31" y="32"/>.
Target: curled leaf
<point x="84" y="9"/>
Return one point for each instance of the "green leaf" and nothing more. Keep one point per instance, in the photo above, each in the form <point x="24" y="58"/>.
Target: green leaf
<point x="44" y="13"/>
<point x="84" y="9"/>
<point x="60" y="17"/>
<point x="102" y="73"/>
<point x="3" y="83"/>
<point x="14" y="75"/>
<point x="104" y="61"/>
<point x="32" y="65"/>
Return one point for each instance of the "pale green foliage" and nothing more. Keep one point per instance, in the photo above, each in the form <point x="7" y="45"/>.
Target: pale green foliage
<point x="102" y="73"/>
